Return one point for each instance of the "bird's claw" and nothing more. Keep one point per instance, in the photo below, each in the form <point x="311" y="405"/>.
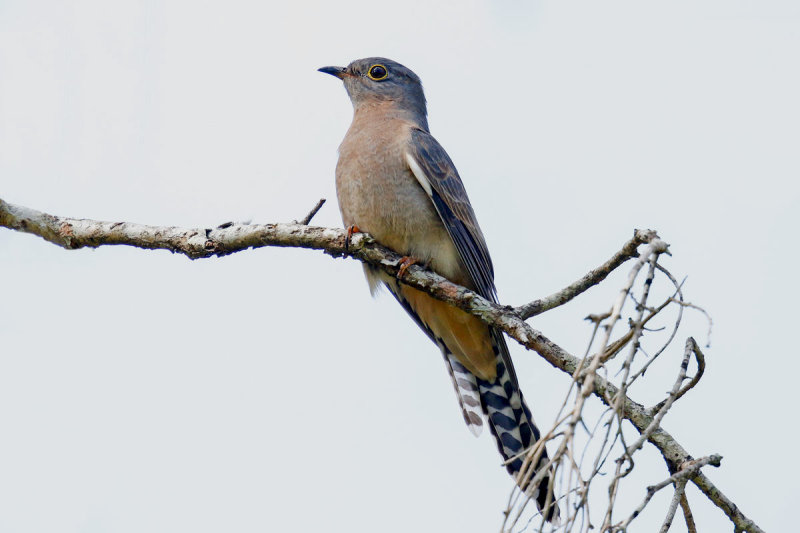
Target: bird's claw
<point x="405" y="262"/>
<point x="350" y="230"/>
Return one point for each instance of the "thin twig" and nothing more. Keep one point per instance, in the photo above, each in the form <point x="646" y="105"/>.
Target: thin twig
<point x="690" y="468"/>
<point x="197" y="243"/>
<point x="687" y="514"/>
<point x="673" y="506"/>
<point x="674" y="394"/>
<point x="593" y="277"/>
<point x="708" y="317"/>
<point x="313" y="212"/>
<point x="691" y="347"/>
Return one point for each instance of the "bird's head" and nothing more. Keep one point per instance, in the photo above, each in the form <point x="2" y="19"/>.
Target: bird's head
<point x="376" y="79"/>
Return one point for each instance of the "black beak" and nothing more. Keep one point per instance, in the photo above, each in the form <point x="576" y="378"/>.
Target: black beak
<point x="339" y="72"/>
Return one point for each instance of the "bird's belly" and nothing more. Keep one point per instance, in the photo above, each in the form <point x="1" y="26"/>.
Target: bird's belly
<point x="392" y="207"/>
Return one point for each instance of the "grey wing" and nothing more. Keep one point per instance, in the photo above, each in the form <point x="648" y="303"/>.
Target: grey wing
<point x="437" y="174"/>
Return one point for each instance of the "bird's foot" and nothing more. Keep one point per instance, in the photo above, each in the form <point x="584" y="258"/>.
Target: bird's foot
<point x="405" y="262"/>
<point x="350" y="230"/>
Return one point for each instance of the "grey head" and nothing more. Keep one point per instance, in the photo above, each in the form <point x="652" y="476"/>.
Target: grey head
<point x="377" y="79"/>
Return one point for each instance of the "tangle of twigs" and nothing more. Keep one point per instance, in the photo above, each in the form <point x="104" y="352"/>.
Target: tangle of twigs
<point x="589" y="451"/>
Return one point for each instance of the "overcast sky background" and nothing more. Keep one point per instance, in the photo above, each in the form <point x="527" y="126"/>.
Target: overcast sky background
<point x="266" y="391"/>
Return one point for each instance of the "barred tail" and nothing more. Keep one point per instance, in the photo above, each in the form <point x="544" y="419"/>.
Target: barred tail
<point x="512" y="426"/>
<point x="500" y="400"/>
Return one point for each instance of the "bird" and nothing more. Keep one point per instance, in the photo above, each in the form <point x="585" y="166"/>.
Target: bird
<point x="395" y="182"/>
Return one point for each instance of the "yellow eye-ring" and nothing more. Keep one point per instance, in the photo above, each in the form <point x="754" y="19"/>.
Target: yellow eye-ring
<point x="377" y="72"/>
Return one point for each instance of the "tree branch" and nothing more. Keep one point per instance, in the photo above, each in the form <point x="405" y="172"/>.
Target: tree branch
<point x="72" y="233"/>
<point x="591" y="278"/>
<point x="307" y="219"/>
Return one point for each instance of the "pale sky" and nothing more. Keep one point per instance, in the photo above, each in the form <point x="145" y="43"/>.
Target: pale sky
<point x="266" y="391"/>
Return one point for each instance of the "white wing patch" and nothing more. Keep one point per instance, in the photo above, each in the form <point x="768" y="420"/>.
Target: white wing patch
<point x="419" y="174"/>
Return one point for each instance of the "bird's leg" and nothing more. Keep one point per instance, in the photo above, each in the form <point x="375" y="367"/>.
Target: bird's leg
<point x="350" y="230"/>
<point x="405" y="262"/>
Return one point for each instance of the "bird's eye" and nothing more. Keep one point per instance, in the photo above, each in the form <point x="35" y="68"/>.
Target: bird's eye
<point x="377" y="72"/>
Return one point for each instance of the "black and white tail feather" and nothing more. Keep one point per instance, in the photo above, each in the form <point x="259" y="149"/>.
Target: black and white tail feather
<point x="511" y="424"/>
<point x="501" y="403"/>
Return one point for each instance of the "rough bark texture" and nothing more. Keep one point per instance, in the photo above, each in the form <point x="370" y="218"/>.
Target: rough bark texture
<point x="197" y="243"/>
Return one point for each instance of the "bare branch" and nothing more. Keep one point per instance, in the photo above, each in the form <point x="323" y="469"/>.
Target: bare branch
<point x="313" y="212"/>
<point x="688" y="469"/>
<point x="593" y="277"/>
<point x="674" y="394"/>
<point x="72" y="233"/>
<point x="687" y="514"/>
<point x="708" y="317"/>
<point x="673" y="506"/>
<point x="195" y="243"/>
<point x="691" y="347"/>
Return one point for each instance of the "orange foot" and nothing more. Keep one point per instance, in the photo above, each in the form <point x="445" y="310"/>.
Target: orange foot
<point x="350" y="230"/>
<point x="405" y="262"/>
